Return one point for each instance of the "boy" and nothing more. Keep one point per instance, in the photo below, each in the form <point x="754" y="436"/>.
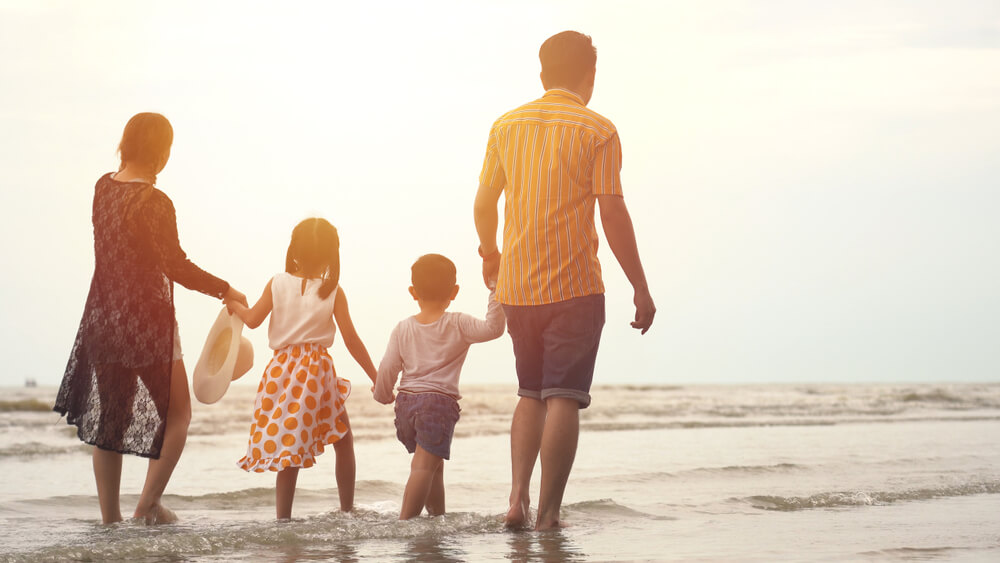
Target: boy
<point x="430" y="348"/>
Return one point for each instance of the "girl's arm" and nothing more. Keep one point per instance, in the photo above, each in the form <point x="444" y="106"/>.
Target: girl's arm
<point x="252" y="317"/>
<point x="351" y="339"/>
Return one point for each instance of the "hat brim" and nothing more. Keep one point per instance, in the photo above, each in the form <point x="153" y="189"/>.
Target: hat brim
<point x="226" y="356"/>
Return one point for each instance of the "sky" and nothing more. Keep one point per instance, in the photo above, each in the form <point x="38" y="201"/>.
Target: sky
<point x="814" y="185"/>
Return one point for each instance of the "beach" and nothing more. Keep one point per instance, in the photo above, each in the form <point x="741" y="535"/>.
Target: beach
<point x="663" y="473"/>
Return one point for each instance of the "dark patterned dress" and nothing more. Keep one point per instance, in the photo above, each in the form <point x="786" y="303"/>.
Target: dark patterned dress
<point x="116" y="388"/>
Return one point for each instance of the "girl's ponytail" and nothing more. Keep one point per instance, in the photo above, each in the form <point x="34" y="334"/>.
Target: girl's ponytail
<point x="315" y="248"/>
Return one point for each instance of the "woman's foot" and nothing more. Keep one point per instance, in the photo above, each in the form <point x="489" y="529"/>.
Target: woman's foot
<point x="517" y="515"/>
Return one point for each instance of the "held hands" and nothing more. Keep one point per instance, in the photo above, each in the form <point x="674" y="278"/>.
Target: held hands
<point x="644" y="311"/>
<point x="491" y="268"/>
<point x="392" y="397"/>
<point x="235" y="302"/>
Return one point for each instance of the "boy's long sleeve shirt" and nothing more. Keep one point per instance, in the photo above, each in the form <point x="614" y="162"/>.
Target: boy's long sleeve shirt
<point x="430" y="356"/>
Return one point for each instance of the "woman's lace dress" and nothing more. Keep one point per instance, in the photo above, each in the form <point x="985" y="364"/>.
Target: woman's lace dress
<point x="116" y="388"/>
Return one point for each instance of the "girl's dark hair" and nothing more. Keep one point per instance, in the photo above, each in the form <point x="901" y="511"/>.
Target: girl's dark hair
<point x="315" y="248"/>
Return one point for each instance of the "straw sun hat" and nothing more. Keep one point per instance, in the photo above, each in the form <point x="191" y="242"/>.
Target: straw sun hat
<point x="227" y="355"/>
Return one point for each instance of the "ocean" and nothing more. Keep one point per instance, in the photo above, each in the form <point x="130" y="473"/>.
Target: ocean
<point x="663" y="473"/>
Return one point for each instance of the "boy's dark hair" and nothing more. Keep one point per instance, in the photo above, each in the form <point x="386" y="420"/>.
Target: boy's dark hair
<point x="433" y="277"/>
<point x="566" y="58"/>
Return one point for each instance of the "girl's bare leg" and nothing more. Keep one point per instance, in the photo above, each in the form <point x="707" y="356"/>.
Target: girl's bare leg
<point x="346" y="467"/>
<point x="108" y="474"/>
<point x="284" y="491"/>
<point x="174" y="438"/>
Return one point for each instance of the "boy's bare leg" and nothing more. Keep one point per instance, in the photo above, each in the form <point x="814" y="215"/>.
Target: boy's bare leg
<point x="174" y="438"/>
<point x="562" y="430"/>
<point x="435" y="496"/>
<point x="423" y="469"/>
<point x="108" y="474"/>
<point x="525" y="440"/>
<point x="346" y="467"/>
<point x="284" y="491"/>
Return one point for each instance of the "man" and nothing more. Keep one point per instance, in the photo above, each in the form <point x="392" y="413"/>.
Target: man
<point x="553" y="159"/>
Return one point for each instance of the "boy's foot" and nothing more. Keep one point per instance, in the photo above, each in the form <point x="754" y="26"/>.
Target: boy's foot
<point x="517" y="515"/>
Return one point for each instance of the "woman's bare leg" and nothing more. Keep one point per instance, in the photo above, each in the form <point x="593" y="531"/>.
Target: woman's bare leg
<point x="108" y="474"/>
<point x="174" y="438"/>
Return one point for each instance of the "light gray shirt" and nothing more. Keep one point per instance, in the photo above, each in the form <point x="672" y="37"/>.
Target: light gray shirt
<point x="430" y="356"/>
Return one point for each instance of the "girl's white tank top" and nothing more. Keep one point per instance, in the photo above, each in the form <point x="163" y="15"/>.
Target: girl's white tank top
<point x="297" y="317"/>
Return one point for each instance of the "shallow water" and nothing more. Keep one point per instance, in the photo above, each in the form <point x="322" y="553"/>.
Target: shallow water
<point x="702" y="473"/>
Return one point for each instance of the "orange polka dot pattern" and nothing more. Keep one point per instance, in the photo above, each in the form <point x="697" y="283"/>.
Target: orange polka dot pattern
<point x="298" y="411"/>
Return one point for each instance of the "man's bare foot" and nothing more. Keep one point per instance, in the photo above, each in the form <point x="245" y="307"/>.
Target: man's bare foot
<point x="158" y="514"/>
<point x="517" y="515"/>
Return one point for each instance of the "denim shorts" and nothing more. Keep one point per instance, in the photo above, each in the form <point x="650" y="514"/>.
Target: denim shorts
<point x="427" y="419"/>
<point x="555" y="347"/>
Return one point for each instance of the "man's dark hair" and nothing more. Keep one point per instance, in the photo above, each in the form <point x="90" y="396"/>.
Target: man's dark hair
<point x="433" y="277"/>
<point x="566" y="58"/>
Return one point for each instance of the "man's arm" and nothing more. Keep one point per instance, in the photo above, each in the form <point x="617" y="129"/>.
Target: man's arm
<point x="621" y="238"/>
<point x="485" y="212"/>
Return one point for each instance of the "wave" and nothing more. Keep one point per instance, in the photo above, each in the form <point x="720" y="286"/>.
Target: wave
<point x="321" y="536"/>
<point x="37" y="449"/>
<point x="869" y="498"/>
<point x="25" y="405"/>
<point x="748" y="469"/>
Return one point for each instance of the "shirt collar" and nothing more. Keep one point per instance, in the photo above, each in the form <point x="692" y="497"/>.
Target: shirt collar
<point x="565" y="94"/>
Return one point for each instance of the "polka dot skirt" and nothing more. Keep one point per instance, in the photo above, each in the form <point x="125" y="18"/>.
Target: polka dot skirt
<point x="299" y="408"/>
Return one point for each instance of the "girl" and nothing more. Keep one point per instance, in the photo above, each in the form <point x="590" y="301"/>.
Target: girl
<point x="128" y="335"/>
<point x="300" y="401"/>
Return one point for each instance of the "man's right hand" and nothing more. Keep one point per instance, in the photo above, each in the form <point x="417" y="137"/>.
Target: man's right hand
<point x="644" y="311"/>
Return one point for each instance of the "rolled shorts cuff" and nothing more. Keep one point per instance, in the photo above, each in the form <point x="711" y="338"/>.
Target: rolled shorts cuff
<point x="579" y="396"/>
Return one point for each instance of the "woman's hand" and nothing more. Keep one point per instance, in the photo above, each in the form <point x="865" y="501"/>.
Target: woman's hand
<point x="233" y="295"/>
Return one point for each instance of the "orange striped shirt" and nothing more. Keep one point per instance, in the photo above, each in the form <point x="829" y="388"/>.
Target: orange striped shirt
<point x="552" y="157"/>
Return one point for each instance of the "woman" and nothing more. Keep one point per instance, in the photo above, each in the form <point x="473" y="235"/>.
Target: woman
<point x="125" y="387"/>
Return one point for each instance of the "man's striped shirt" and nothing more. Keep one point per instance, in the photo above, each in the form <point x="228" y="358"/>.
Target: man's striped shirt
<point x="552" y="157"/>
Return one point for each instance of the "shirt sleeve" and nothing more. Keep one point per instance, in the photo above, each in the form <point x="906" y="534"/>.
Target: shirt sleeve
<point x="478" y="330"/>
<point x="162" y="222"/>
<point x="608" y="167"/>
<point x="492" y="174"/>
<point x="388" y="369"/>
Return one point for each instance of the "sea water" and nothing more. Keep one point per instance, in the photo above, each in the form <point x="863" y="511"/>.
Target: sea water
<point x="662" y="473"/>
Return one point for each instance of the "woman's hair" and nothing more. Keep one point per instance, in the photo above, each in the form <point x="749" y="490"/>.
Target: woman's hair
<point x="315" y="248"/>
<point x="146" y="141"/>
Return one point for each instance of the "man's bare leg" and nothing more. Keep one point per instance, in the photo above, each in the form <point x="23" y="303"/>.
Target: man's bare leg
<point x="525" y="440"/>
<point x="558" y="450"/>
